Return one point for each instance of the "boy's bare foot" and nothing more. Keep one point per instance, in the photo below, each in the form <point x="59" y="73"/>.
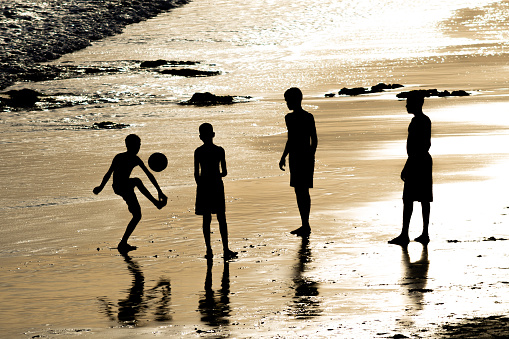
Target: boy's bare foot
<point x="162" y="202"/>
<point x="228" y="255"/>
<point x="125" y="247"/>
<point x="400" y="240"/>
<point x="423" y="239"/>
<point x="209" y="255"/>
<point x="302" y="231"/>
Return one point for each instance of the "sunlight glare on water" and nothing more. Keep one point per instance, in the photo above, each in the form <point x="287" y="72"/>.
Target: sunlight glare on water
<point x="288" y="41"/>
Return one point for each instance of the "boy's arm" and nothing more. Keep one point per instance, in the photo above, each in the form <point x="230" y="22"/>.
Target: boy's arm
<point x="196" y="167"/>
<point x="314" y="138"/>
<point x="224" y="171"/>
<point x="151" y="177"/>
<point x="282" y="162"/>
<point x="106" y="177"/>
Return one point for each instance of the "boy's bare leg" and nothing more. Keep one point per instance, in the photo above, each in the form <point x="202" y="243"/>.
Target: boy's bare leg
<point x="134" y="208"/>
<point x="403" y="239"/>
<point x="424" y="237"/>
<point x="223" y="229"/>
<point x="138" y="183"/>
<point x="304" y="205"/>
<point x="206" y="234"/>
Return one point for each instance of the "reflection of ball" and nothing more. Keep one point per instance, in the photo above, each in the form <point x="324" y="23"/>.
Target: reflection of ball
<point x="157" y="162"/>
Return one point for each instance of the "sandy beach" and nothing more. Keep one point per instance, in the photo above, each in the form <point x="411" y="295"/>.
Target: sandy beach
<point x="62" y="276"/>
<point x="345" y="282"/>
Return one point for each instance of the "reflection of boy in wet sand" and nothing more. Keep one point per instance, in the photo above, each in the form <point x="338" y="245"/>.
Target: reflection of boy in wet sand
<point x="209" y="170"/>
<point x="417" y="173"/>
<point x="121" y="168"/>
<point x="301" y="146"/>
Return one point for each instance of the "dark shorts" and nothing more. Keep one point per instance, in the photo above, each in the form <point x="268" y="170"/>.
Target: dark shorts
<point x="418" y="178"/>
<point x="127" y="193"/>
<point x="210" y="197"/>
<point x="302" y="168"/>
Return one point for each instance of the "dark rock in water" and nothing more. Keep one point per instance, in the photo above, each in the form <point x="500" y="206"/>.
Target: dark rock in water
<point x="20" y="98"/>
<point x="173" y="62"/>
<point x="38" y="72"/>
<point x="207" y="99"/>
<point x="153" y="64"/>
<point x="362" y="90"/>
<point x="353" y="91"/>
<point x="330" y="95"/>
<point x="493" y="239"/>
<point x="431" y="93"/>
<point x="381" y="87"/>
<point x="160" y="62"/>
<point x="460" y="93"/>
<point x="108" y="125"/>
<point x="445" y="93"/>
<point x="186" y="72"/>
<point x="96" y="70"/>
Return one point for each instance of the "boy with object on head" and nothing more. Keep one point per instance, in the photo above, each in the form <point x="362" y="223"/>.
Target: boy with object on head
<point x="417" y="173"/>
<point x="123" y="185"/>
<point x="301" y="148"/>
<point x="209" y="170"/>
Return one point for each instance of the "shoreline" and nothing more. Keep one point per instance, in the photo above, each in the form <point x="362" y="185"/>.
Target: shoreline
<point x="35" y="32"/>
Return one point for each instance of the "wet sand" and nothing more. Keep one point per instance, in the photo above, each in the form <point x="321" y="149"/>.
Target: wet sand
<point x="345" y="282"/>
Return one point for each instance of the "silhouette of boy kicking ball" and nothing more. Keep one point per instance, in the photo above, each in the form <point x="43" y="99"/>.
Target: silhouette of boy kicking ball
<point x="123" y="185"/>
<point x="209" y="170"/>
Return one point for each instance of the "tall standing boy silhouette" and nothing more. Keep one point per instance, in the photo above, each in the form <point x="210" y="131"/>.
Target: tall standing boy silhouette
<point x="301" y="148"/>
<point x="417" y="173"/>
<point x="209" y="170"/>
<point x="123" y="185"/>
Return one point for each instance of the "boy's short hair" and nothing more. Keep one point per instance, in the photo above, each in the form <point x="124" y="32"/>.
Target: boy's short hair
<point x="132" y="140"/>
<point x="416" y="100"/>
<point x="206" y="129"/>
<point x="293" y="94"/>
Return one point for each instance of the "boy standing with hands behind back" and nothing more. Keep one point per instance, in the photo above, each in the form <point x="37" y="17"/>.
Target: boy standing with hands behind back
<point x="209" y="170"/>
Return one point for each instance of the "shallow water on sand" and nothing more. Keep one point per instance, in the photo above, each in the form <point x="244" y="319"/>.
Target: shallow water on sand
<point x="60" y="275"/>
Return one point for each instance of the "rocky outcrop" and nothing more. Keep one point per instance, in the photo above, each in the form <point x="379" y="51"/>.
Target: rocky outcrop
<point x="187" y="72"/>
<point x="158" y="63"/>
<point x="209" y="99"/>
<point x="19" y="98"/>
<point x="109" y="125"/>
<point x="35" y="31"/>
<point x="432" y="93"/>
<point x="381" y="87"/>
<point x="363" y="90"/>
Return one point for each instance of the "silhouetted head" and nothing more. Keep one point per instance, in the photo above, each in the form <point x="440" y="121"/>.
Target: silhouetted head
<point x="414" y="104"/>
<point x="293" y="97"/>
<point x="206" y="132"/>
<point x="133" y="143"/>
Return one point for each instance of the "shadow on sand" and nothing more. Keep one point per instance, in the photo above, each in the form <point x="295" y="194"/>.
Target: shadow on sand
<point x="139" y="301"/>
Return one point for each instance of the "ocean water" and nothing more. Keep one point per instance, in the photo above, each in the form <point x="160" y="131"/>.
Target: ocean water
<point x="51" y="159"/>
